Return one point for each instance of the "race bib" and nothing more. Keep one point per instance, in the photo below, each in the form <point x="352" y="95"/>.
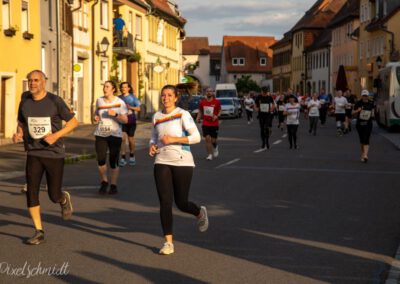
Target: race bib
<point x="105" y="127"/>
<point x="365" y="114"/>
<point x="322" y="101"/>
<point x="39" y="127"/>
<point x="281" y="108"/>
<point x="313" y="111"/>
<point x="209" y="111"/>
<point x="291" y="119"/>
<point x="264" y="107"/>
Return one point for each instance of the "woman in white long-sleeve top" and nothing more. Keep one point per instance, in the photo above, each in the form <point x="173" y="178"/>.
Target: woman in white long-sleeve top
<point x="173" y="131"/>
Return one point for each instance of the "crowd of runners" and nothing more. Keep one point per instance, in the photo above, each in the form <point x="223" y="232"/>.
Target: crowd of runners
<point x="40" y="127"/>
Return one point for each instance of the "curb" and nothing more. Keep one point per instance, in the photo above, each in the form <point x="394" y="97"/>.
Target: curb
<point x="73" y="159"/>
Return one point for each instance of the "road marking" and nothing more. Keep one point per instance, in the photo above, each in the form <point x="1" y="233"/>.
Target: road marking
<point x="316" y="170"/>
<point x="260" y="150"/>
<point x="228" y="163"/>
<point x="394" y="272"/>
<point x="277" y="142"/>
<point x="8" y="175"/>
<point x="284" y="135"/>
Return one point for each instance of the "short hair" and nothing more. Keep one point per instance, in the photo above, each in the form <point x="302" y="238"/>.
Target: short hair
<point x="170" y="87"/>
<point x="36" y="71"/>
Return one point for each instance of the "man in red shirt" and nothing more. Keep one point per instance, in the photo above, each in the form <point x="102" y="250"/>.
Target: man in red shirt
<point x="210" y="109"/>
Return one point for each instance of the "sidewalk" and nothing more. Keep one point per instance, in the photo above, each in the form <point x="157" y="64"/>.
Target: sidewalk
<point x="79" y="146"/>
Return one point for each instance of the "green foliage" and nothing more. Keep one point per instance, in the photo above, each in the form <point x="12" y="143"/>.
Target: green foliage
<point x="246" y="84"/>
<point x="114" y="76"/>
<point x="135" y="57"/>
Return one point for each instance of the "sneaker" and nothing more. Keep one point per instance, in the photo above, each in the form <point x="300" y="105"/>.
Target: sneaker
<point x="168" y="248"/>
<point x="37" y="238"/>
<point x="122" y="162"/>
<point x="209" y="157"/>
<point x="132" y="161"/>
<point x="103" y="187"/>
<point x="202" y="222"/>
<point x="113" y="189"/>
<point x="66" y="208"/>
<point x="216" y="152"/>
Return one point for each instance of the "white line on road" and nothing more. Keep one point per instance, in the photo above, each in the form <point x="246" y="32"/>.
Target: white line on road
<point x="277" y="142"/>
<point x="260" y="150"/>
<point x="316" y="170"/>
<point x="228" y="163"/>
<point x="284" y="135"/>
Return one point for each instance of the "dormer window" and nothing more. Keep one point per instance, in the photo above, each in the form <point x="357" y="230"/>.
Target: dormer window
<point x="238" y="61"/>
<point x="263" y="61"/>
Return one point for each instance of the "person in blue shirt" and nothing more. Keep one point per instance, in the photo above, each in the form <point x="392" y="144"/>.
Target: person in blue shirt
<point x="325" y="100"/>
<point x="119" y="27"/>
<point x="128" y="130"/>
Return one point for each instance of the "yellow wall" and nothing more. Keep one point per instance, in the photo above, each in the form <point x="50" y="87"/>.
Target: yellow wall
<point x="14" y="66"/>
<point x="297" y="59"/>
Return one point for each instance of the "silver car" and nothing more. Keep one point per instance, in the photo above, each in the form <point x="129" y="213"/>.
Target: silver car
<point x="229" y="108"/>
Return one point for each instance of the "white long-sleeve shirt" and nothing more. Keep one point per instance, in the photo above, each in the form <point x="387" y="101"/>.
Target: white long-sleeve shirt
<point x="178" y="123"/>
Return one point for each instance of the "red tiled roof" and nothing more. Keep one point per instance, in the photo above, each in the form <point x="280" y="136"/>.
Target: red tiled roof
<point x="195" y="46"/>
<point x="252" y="48"/>
<point x="215" y="52"/>
<point x="163" y="6"/>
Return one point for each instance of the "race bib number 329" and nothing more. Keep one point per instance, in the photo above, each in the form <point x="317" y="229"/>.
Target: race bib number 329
<point x="39" y="127"/>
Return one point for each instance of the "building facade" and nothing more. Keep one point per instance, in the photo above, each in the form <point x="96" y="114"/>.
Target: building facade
<point x="215" y="65"/>
<point x="282" y="68"/>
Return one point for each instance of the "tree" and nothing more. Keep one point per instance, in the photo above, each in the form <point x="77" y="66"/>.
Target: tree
<point x="246" y="84"/>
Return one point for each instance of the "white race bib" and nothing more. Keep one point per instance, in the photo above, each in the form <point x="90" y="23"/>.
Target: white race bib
<point x="264" y="107"/>
<point x="313" y="111"/>
<point x="39" y="127"/>
<point x="209" y="111"/>
<point x="365" y="114"/>
<point x="105" y="127"/>
<point x="281" y="108"/>
<point x="322" y="101"/>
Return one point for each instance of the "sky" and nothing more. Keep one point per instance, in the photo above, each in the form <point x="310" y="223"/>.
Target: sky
<point x="216" y="18"/>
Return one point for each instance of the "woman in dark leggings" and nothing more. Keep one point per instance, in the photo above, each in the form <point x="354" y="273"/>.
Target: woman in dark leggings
<point x="292" y="113"/>
<point x="174" y="163"/>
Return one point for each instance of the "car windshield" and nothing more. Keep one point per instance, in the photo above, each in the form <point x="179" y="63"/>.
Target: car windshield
<point x="226" y="102"/>
<point x="226" y="93"/>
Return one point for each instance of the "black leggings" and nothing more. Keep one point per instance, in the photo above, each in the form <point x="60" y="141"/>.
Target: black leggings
<point x="249" y="115"/>
<point x="54" y="169"/>
<point x="292" y="134"/>
<point x="313" y="124"/>
<point x="113" y="144"/>
<point x="364" y="133"/>
<point x="265" y="128"/>
<point x="323" y="112"/>
<point x="173" y="182"/>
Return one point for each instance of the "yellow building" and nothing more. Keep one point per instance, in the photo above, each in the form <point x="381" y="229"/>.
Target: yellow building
<point x="282" y="69"/>
<point x="379" y="39"/>
<point x="19" y="54"/>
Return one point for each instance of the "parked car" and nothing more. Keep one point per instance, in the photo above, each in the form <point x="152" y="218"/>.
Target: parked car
<point x="229" y="108"/>
<point x="190" y="103"/>
<point x="226" y="91"/>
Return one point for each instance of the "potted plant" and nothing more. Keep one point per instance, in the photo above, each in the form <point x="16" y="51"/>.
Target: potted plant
<point x="135" y="57"/>
<point x="27" y="35"/>
<point x="10" y="31"/>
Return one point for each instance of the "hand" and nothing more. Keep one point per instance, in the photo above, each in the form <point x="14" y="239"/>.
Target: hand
<point x="214" y="117"/>
<point x="17" y="137"/>
<point x="112" y="113"/>
<point x="96" y="118"/>
<point x="153" y="150"/>
<point x="51" y="138"/>
<point x="166" y="140"/>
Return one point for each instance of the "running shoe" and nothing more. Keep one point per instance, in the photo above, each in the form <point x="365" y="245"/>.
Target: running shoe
<point x="113" y="189"/>
<point x="168" y="248"/>
<point x="122" y="163"/>
<point x="202" y="222"/>
<point x="103" y="187"/>
<point x="209" y="157"/>
<point x="216" y="152"/>
<point x="66" y="207"/>
<point x="132" y="161"/>
<point x="37" y="238"/>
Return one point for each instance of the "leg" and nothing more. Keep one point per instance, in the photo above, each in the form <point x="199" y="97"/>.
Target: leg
<point x="54" y="177"/>
<point x="182" y="177"/>
<point x="114" y="146"/>
<point x="262" y="131"/>
<point x="295" y="127"/>
<point x="290" y="135"/>
<point x="34" y="172"/>
<point x="101" y="146"/>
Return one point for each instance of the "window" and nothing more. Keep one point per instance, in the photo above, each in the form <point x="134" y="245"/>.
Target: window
<point x="24" y="17"/>
<point x="6" y="14"/>
<point x="263" y="61"/>
<point x="238" y="61"/>
<point x="104" y="70"/>
<point x="138" y="27"/>
<point x="85" y="16"/>
<point x="104" y="14"/>
<point x="130" y="22"/>
<point x="50" y="7"/>
<point x="43" y="59"/>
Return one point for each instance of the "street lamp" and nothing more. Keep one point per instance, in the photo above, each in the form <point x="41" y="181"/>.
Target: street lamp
<point x="102" y="47"/>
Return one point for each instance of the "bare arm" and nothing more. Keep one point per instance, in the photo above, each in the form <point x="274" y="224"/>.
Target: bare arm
<point x="69" y="126"/>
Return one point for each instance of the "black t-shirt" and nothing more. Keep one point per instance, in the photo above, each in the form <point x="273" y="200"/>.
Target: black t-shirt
<point x="40" y="118"/>
<point x="264" y="104"/>
<point x="365" y="116"/>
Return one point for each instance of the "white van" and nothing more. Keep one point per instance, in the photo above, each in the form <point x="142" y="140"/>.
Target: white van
<point x="226" y="91"/>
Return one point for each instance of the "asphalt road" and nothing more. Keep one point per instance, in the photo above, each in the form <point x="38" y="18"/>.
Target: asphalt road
<point x="313" y="215"/>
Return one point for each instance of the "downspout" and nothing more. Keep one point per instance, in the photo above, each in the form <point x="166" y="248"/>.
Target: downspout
<point x="92" y="101"/>
<point x="58" y="32"/>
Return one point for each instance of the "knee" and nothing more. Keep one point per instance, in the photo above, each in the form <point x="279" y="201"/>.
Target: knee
<point x="101" y="162"/>
<point x="182" y="205"/>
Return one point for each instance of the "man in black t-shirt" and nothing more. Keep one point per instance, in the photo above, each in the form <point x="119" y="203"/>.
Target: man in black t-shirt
<point x="265" y="106"/>
<point x="40" y="116"/>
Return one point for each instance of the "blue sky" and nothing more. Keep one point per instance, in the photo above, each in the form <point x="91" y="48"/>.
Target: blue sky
<point x="216" y="18"/>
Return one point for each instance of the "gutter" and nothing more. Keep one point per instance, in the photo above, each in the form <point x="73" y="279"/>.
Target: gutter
<point x="92" y="102"/>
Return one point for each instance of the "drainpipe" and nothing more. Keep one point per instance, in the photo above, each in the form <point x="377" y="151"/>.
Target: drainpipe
<point x="73" y="51"/>
<point x="92" y="101"/>
<point x="58" y="32"/>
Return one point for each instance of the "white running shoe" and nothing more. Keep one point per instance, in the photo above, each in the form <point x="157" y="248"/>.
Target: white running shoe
<point x="216" y="152"/>
<point x="122" y="163"/>
<point x="202" y="222"/>
<point x="132" y="161"/>
<point x="209" y="157"/>
<point x="168" y="248"/>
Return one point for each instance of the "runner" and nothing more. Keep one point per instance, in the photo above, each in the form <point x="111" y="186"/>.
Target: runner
<point x="209" y="110"/>
<point x="265" y="106"/>
<point x="111" y="113"/>
<point x="173" y="166"/>
<point x="325" y="100"/>
<point x="249" y="105"/>
<point x="40" y="116"/>
<point x="364" y="110"/>
<point x="280" y="104"/>
<point x="349" y="109"/>
<point x="292" y="113"/>
<point x="339" y="104"/>
<point x="129" y="129"/>
<point x="313" y="113"/>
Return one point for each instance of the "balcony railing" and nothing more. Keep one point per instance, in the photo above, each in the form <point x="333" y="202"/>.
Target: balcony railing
<point x="123" y="45"/>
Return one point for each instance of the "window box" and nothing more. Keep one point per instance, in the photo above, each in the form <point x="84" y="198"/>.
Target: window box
<point x="27" y="35"/>
<point x="10" y="32"/>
